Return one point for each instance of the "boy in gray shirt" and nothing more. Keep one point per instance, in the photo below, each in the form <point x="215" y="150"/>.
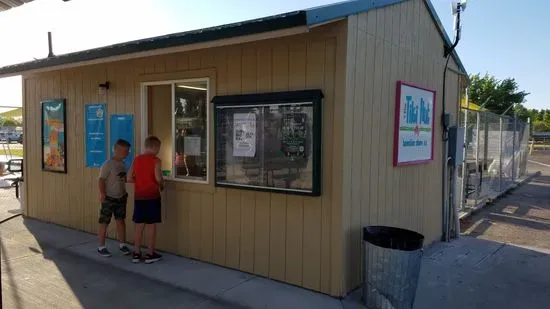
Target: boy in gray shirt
<point x="113" y="196"/>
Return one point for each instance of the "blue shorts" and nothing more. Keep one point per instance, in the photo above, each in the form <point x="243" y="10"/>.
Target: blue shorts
<point x="147" y="211"/>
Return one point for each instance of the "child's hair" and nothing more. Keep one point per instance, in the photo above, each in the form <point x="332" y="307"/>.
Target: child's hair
<point x="123" y="143"/>
<point x="152" y="142"/>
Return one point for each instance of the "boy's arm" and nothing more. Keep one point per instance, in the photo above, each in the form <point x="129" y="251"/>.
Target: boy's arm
<point x="158" y="174"/>
<point x="101" y="185"/>
<point x="130" y="177"/>
<point x="103" y="174"/>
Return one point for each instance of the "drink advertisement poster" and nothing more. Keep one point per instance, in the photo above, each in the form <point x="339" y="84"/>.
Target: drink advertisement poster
<point x="53" y="136"/>
<point x="414" y="125"/>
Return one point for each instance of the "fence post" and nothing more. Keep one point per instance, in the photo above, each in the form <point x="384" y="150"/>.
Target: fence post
<point x="514" y="150"/>
<point x="464" y="187"/>
<point x="500" y="156"/>
<point x="478" y="172"/>
<point x="486" y="143"/>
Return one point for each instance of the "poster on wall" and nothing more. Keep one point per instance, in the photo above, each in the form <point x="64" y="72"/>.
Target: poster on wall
<point x="122" y="127"/>
<point x="96" y="142"/>
<point x="53" y="136"/>
<point x="294" y="134"/>
<point x="414" y="125"/>
<point x="244" y="135"/>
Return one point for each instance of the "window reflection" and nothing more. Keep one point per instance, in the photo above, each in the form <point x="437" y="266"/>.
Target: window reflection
<point x="190" y="117"/>
<point x="266" y="146"/>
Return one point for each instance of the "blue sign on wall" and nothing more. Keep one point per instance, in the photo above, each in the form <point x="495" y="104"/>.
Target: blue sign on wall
<point x="122" y="126"/>
<point x="96" y="143"/>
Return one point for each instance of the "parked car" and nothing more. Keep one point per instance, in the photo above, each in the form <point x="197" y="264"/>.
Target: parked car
<point x="20" y="139"/>
<point x="13" y="137"/>
<point x="3" y="137"/>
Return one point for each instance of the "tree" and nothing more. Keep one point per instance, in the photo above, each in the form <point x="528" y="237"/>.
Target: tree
<point x="523" y="113"/>
<point x="540" y="126"/>
<point x="498" y="95"/>
<point x="9" y="122"/>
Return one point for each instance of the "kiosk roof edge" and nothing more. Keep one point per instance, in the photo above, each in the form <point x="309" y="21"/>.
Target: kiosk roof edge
<point x="303" y="18"/>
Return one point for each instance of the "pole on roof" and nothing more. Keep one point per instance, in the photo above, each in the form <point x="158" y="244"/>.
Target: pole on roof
<point x="50" y="49"/>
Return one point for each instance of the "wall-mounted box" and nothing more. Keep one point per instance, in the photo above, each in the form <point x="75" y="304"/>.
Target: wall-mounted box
<point x="456" y="146"/>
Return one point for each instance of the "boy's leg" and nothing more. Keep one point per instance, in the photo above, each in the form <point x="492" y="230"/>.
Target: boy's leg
<point x="105" y="215"/>
<point x="121" y="230"/>
<point x="152" y="235"/>
<point x="120" y="216"/>
<point x="137" y="237"/>
<point x="153" y="217"/>
<point x="102" y="234"/>
<point x="139" y="220"/>
<point x="136" y="256"/>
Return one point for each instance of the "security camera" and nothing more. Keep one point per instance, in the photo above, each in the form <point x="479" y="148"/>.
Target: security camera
<point x="458" y="5"/>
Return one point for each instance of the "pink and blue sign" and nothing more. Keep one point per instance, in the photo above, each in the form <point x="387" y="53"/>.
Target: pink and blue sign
<point x="414" y="125"/>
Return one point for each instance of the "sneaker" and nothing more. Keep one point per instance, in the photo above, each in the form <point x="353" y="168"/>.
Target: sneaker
<point x="125" y="250"/>
<point x="103" y="252"/>
<point x="136" y="257"/>
<point x="152" y="258"/>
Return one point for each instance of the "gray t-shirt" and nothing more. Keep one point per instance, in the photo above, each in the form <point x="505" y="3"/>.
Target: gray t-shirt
<point x="114" y="174"/>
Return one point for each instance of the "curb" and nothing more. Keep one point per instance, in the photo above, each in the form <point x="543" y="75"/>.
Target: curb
<point x="490" y="201"/>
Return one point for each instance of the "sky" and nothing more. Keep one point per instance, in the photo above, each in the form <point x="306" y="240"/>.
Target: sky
<point x="501" y="37"/>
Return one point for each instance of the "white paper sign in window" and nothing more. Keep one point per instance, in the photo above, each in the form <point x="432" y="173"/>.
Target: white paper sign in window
<point x="192" y="145"/>
<point x="244" y="135"/>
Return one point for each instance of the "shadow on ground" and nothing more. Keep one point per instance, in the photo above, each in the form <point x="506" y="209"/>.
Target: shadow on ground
<point x="521" y="217"/>
<point x="475" y="273"/>
<point x="39" y="271"/>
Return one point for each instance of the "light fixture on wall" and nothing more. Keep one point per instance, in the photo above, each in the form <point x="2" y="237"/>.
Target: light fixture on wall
<point x="102" y="88"/>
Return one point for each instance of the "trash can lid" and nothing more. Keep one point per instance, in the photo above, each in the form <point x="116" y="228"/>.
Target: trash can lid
<point x="393" y="238"/>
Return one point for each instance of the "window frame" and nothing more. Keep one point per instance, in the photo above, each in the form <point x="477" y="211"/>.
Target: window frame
<point x="145" y="122"/>
<point x="313" y="97"/>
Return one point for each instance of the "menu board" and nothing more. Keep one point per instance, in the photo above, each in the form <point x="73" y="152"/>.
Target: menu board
<point x="96" y="142"/>
<point x="268" y="147"/>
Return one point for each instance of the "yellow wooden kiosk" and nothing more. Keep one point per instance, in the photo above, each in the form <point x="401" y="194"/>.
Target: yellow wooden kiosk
<point x="278" y="134"/>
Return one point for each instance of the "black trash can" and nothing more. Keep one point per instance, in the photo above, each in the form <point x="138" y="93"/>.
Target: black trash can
<point x="392" y="267"/>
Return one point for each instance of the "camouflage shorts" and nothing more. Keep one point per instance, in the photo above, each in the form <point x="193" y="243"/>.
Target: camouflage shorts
<point x="112" y="207"/>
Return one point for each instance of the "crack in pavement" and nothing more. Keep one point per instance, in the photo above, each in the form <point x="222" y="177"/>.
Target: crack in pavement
<point x="489" y="255"/>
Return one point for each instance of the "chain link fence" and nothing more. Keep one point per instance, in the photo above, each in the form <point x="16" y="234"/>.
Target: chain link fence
<point x="496" y="149"/>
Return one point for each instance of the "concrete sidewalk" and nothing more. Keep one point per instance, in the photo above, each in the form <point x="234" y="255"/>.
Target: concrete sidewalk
<point x="27" y="243"/>
<point x="47" y="266"/>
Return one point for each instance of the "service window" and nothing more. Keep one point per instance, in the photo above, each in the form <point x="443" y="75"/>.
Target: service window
<point x="178" y="114"/>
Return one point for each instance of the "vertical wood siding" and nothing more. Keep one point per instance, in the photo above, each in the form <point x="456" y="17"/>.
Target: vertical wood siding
<point x="398" y="42"/>
<point x="288" y="238"/>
